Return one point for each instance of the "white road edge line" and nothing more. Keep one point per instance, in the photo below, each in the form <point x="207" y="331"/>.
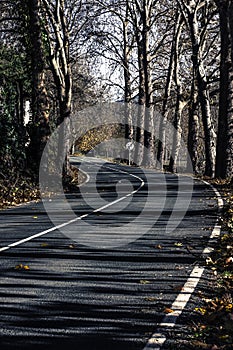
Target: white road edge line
<point x="87" y="179"/>
<point x="9" y="246"/>
<point x="158" y="339"/>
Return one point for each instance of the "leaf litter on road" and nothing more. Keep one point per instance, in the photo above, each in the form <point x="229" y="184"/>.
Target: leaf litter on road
<point x="21" y="267"/>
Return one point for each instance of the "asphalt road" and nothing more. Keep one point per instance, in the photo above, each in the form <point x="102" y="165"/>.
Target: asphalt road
<point x="104" y="281"/>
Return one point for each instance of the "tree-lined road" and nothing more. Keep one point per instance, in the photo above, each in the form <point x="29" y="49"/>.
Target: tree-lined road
<point x="80" y="295"/>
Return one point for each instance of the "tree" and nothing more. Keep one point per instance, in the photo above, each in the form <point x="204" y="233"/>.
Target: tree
<point x="13" y="74"/>
<point x="172" y="76"/>
<point x="224" y="161"/>
<point x="14" y="86"/>
<point x="157" y="54"/>
<point x="180" y="98"/>
<point x="193" y="11"/>
<point x="39" y="128"/>
<point x="57" y="40"/>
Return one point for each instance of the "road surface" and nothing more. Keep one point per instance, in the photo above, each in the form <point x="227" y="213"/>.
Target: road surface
<point x="107" y="280"/>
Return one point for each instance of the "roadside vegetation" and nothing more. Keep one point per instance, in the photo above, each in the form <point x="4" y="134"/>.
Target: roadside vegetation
<point x="208" y="320"/>
<point x="16" y="188"/>
<point x="212" y="328"/>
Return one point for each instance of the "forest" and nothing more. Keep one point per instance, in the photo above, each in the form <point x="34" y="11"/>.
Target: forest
<point x="173" y="57"/>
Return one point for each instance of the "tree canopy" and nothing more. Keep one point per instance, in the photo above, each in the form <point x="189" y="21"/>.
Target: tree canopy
<point x="173" y="57"/>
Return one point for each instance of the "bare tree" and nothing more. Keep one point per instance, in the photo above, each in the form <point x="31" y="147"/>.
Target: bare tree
<point x="170" y="77"/>
<point x="191" y="11"/>
<point x="145" y="17"/>
<point x="181" y="101"/>
<point x="58" y="43"/>
<point x="224" y="162"/>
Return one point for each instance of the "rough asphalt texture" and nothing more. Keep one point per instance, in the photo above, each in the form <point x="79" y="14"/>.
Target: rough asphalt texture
<point x="77" y="296"/>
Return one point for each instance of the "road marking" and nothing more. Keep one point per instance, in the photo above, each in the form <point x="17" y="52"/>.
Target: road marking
<point x="79" y="217"/>
<point x="87" y="178"/>
<point x="217" y="229"/>
<point x="158" y="339"/>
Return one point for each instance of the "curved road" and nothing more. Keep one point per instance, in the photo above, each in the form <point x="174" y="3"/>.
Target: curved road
<point x="108" y="279"/>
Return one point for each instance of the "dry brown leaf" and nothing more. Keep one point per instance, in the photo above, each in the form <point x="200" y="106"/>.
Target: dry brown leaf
<point x="168" y="311"/>
<point x="22" y="267"/>
<point x="178" y="288"/>
<point x="214" y="347"/>
<point x="229" y="260"/>
<point x="200" y="345"/>
<point x="151" y="299"/>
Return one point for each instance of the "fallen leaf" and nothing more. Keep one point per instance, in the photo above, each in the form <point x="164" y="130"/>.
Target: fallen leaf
<point x="199" y="344"/>
<point x="151" y="299"/>
<point x="22" y="267"/>
<point x="229" y="260"/>
<point x="203" y="326"/>
<point x="229" y="307"/>
<point x="209" y="260"/>
<point x="224" y="337"/>
<point x="44" y="245"/>
<point x="178" y="244"/>
<point x="19" y="267"/>
<point x="144" y="282"/>
<point x="201" y="310"/>
<point x="159" y="246"/>
<point x="168" y="311"/>
<point x="178" y="288"/>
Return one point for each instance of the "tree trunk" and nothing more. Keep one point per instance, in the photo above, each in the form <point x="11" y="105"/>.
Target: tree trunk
<point x="210" y="136"/>
<point x="38" y="129"/>
<point x="191" y="11"/>
<point x="145" y="136"/>
<point x="59" y="57"/>
<point x="165" y="111"/>
<point x="149" y="157"/>
<point x="140" y="134"/>
<point x="167" y="95"/>
<point x="180" y="103"/>
<point x="224" y="162"/>
<point x="194" y="128"/>
<point x="129" y="130"/>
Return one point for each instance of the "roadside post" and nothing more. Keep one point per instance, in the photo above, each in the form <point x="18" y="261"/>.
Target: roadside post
<point x="130" y="147"/>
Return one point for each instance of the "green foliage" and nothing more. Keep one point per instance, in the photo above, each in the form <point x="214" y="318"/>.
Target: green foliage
<point x="13" y="65"/>
<point x="13" y="77"/>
